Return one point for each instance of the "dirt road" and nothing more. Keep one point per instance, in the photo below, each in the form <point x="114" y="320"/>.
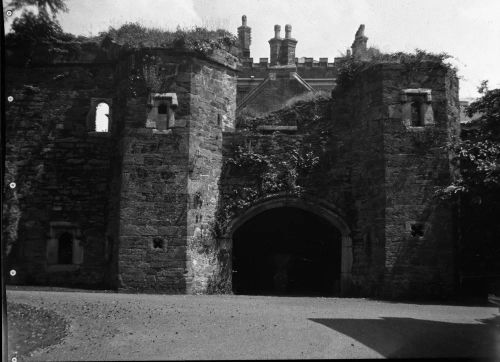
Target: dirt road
<point x="109" y="326"/>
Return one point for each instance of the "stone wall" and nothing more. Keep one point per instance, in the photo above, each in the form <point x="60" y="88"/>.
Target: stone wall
<point x="419" y="262"/>
<point x="62" y="170"/>
<point x="350" y="173"/>
<point x="169" y="177"/>
<point x="153" y="207"/>
<point x="213" y="107"/>
<point x="378" y="174"/>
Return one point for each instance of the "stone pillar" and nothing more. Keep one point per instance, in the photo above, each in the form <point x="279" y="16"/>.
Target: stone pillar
<point x="288" y="45"/>
<point x="275" y="46"/>
<point x="346" y="266"/>
<point x="359" y="44"/>
<point x="245" y="38"/>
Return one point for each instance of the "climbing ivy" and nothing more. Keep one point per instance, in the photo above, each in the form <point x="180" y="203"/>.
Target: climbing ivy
<point x="273" y="173"/>
<point x="351" y="67"/>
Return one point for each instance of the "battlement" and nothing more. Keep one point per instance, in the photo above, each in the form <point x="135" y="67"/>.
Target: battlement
<point x="304" y="62"/>
<point x="282" y="56"/>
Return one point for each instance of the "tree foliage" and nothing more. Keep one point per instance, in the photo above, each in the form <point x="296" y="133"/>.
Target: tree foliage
<point x="477" y="153"/>
<point x="43" y="6"/>
<point x="476" y="190"/>
<point x="31" y="29"/>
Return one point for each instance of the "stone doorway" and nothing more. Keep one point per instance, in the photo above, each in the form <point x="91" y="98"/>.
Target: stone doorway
<point x="287" y="251"/>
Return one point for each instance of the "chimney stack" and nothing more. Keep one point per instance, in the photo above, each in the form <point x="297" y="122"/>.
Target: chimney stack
<point x="245" y="38"/>
<point x="288" y="46"/>
<point x="288" y="31"/>
<point x="275" y="46"/>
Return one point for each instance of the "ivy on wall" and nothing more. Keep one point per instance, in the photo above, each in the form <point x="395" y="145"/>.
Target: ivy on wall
<point x="351" y="67"/>
<point x="273" y="174"/>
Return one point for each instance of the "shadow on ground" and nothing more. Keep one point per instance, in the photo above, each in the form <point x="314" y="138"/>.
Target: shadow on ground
<point x="31" y="328"/>
<point x="410" y="338"/>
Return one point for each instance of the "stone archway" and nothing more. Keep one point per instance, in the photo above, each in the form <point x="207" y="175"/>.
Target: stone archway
<point x="326" y="212"/>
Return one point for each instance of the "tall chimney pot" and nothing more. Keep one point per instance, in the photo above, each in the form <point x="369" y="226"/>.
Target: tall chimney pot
<point x="277" y="30"/>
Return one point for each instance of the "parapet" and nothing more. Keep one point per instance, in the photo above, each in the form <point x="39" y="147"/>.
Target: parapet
<point x="304" y="62"/>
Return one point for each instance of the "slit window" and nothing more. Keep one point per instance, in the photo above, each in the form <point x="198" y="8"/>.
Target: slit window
<point x="102" y="117"/>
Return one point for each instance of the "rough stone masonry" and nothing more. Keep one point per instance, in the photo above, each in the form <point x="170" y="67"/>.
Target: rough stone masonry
<point x="153" y="202"/>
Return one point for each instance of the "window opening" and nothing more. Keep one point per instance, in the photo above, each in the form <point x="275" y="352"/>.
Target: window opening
<point x="158" y="243"/>
<point x="416" y="114"/>
<point x="162" y="108"/>
<point x="102" y="118"/>
<point x="417" y="229"/>
<point x="65" y="249"/>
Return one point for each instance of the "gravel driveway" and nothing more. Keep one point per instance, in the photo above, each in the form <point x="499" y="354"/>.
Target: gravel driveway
<point x="110" y="326"/>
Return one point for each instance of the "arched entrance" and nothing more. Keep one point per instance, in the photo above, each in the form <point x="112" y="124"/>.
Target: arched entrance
<point x="290" y="247"/>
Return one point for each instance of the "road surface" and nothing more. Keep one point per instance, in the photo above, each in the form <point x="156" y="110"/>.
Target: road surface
<point x="111" y="326"/>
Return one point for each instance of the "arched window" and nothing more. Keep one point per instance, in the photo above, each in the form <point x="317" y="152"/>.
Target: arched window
<point x="65" y="249"/>
<point x="416" y="114"/>
<point x="102" y="117"/>
<point x="162" y="108"/>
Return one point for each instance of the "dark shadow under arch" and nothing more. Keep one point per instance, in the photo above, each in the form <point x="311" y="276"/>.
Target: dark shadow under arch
<point x="329" y="264"/>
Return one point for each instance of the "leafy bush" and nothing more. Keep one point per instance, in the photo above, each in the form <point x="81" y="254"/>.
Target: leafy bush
<point x="197" y="39"/>
<point x="349" y="68"/>
<point x="31" y="30"/>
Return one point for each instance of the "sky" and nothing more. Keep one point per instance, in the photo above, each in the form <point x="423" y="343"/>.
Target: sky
<point x="469" y="30"/>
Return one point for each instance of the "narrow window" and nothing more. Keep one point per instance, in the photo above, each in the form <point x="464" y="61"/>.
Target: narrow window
<point x="162" y="108"/>
<point x="102" y="118"/>
<point x="416" y="114"/>
<point x="65" y="249"/>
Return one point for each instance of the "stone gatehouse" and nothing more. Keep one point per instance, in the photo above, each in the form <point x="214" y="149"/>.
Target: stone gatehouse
<point x="133" y="170"/>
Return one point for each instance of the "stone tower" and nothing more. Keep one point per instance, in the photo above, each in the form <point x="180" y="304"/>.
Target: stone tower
<point x="170" y="168"/>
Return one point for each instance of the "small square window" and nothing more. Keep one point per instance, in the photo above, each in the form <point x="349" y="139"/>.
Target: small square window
<point x="158" y="243"/>
<point x="416" y="107"/>
<point x="417" y="229"/>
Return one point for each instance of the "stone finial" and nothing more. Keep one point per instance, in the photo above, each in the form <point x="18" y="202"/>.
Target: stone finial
<point x="361" y="31"/>
<point x="359" y="49"/>
<point x="288" y="31"/>
<point x="277" y="31"/>
<point x="244" y="20"/>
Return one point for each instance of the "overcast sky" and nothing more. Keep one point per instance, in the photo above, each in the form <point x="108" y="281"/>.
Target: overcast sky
<point x="467" y="29"/>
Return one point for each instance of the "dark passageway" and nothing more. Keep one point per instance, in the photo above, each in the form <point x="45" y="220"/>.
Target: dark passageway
<point x="287" y="251"/>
